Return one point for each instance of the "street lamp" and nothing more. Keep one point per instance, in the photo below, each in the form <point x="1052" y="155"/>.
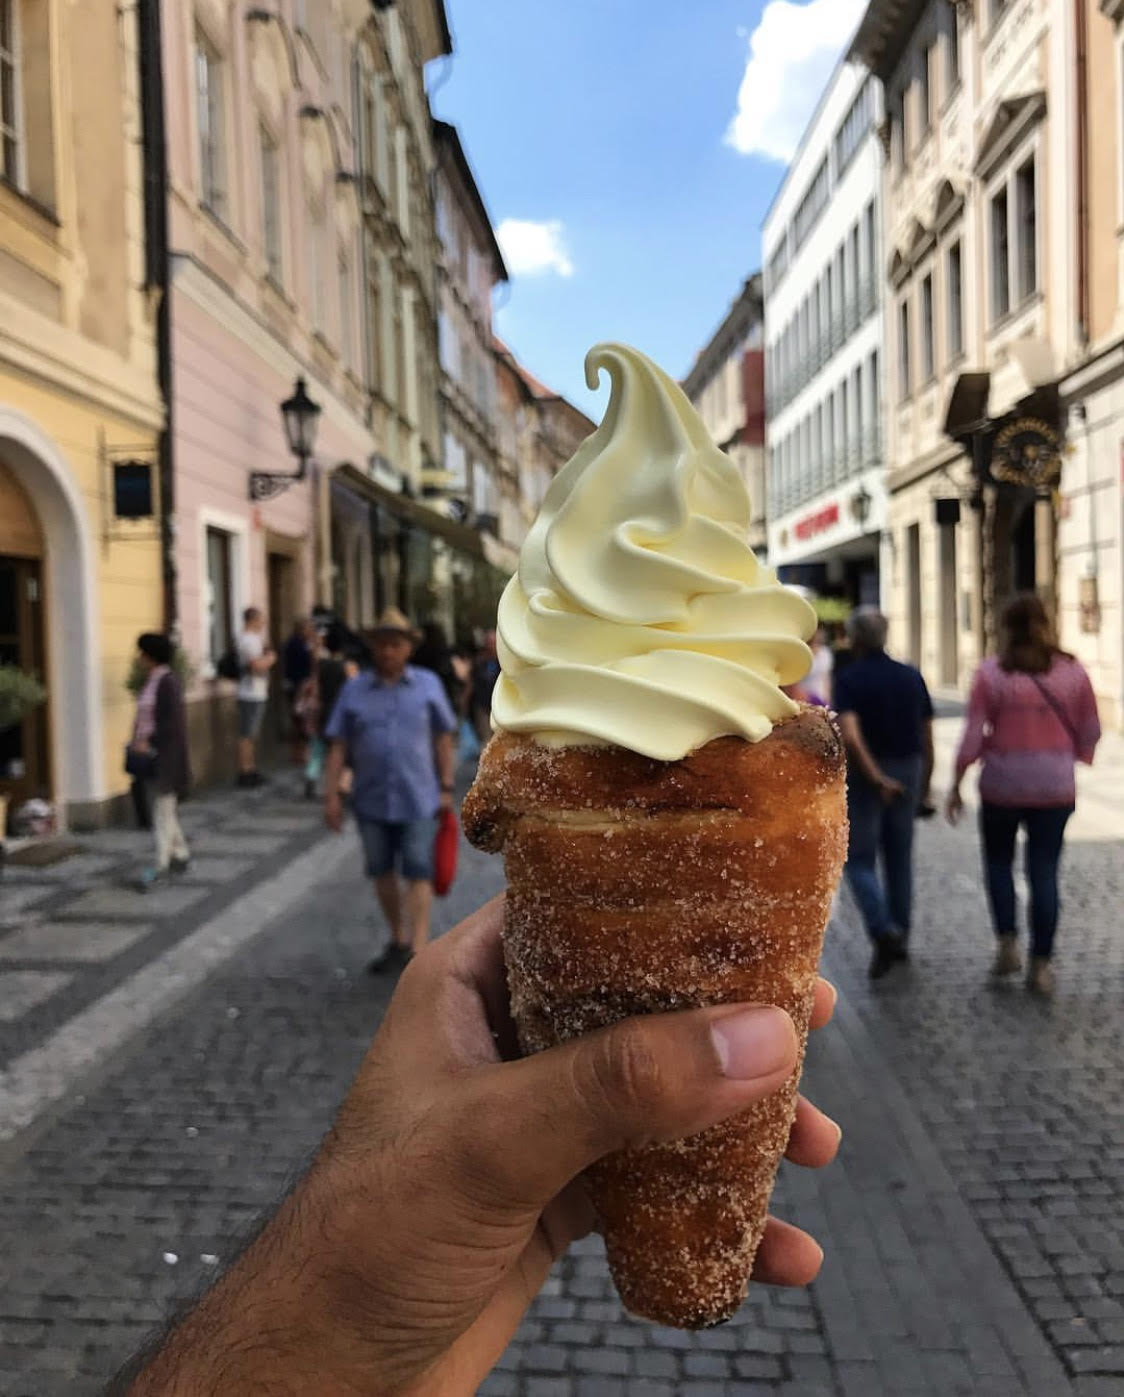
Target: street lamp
<point x="301" y="417"/>
<point x="860" y="506"/>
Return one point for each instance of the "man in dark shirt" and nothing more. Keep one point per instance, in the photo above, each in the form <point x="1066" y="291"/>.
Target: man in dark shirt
<point x="887" y="719"/>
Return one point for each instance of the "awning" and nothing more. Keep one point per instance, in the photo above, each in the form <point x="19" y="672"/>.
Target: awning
<point x="409" y="511"/>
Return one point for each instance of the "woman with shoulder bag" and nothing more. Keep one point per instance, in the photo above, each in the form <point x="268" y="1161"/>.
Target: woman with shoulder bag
<point x="157" y="755"/>
<point x="1032" y="715"/>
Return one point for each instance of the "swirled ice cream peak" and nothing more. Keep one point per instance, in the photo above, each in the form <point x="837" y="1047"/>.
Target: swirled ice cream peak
<point x="640" y="616"/>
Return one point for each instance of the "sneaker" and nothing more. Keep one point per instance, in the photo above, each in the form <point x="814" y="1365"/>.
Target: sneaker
<point x="1040" y="977"/>
<point x="1007" y="958"/>
<point x="391" y="957"/>
<point x="888" y="951"/>
<point x="147" y="878"/>
<point x="179" y="866"/>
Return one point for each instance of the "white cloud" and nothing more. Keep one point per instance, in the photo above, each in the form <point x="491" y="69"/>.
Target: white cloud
<point x="791" y="56"/>
<point x="530" y="248"/>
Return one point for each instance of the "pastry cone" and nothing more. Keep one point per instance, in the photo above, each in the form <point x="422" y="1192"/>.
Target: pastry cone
<point x="637" y="886"/>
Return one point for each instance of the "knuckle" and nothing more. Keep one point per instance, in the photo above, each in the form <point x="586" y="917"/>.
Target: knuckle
<point x="627" y="1071"/>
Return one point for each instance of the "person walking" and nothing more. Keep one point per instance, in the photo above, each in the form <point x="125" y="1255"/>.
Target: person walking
<point x="1031" y="716"/>
<point x="393" y="725"/>
<point x="256" y="660"/>
<point x="485" y="673"/>
<point x="157" y="755"/>
<point x="297" y="660"/>
<point x="886" y="716"/>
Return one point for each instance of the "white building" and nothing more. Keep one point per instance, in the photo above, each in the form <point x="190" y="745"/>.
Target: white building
<point x="821" y="245"/>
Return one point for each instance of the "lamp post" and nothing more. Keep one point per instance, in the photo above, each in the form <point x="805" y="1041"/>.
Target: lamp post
<point x="301" y="418"/>
<point x="861" y="502"/>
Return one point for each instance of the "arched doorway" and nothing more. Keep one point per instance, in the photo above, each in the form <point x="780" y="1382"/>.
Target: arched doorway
<point x="53" y="525"/>
<point x="24" y="748"/>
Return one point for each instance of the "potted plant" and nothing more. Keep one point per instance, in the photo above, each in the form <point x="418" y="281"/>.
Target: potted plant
<point x="20" y="694"/>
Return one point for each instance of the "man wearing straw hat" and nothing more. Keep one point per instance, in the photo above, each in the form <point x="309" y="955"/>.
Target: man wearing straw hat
<point x="393" y="727"/>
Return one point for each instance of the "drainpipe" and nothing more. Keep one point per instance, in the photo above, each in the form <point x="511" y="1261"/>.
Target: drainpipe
<point x="1083" y="231"/>
<point x="155" y="157"/>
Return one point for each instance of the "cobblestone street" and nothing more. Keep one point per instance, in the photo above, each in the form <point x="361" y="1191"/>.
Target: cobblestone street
<point x="168" y="1066"/>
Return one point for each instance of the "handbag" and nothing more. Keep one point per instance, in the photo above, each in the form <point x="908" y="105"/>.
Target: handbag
<point x="141" y="766"/>
<point x="1059" y="712"/>
<point x="445" y="852"/>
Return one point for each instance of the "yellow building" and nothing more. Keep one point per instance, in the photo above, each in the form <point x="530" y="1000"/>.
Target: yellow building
<point x="80" y="407"/>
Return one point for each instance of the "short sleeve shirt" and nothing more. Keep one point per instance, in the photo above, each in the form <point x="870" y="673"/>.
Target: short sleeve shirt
<point x="252" y="688"/>
<point x="389" y="731"/>
<point x="891" y="702"/>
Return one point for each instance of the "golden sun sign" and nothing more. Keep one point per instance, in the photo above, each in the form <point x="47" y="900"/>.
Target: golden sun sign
<point x="1028" y="452"/>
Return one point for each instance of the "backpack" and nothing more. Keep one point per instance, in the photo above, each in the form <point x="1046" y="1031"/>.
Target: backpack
<point x="229" y="665"/>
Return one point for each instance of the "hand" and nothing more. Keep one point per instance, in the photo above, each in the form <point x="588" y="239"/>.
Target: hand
<point x="889" y="789"/>
<point x="333" y="812"/>
<point x="446" y="801"/>
<point x="954" y="806"/>
<point x="142" y="745"/>
<point x="406" y="1259"/>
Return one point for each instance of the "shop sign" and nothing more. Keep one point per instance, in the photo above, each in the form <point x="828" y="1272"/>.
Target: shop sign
<point x="1027" y="452"/>
<point x="818" y="523"/>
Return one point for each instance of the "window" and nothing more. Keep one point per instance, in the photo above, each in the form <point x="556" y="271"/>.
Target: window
<point x="315" y="266"/>
<point x="871" y="247"/>
<point x="209" y="116"/>
<point x="844" y="443"/>
<point x="1000" y="257"/>
<point x="860" y="411"/>
<point x="955" y="307"/>
<point x="925" y="88"/>
<point x="11" y="133"/>
<point x="928" y="356"/>
<point x="271" y="203"/>
<point x="854" y="127"/>
<point x="899" y="134"/>
<point x="997" y="9"/>
<point x="952" y="47"/>
<point x="812" y="204"/>
<point x="905" y="384"/>
<point x="853" y="249"/>
<point x="347" y="312"/>
<point x="220" y="592"/>
<point x="1027" y="212"/>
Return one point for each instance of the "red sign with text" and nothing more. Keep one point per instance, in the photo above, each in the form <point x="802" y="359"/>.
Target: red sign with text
<point x="818" y="523"/>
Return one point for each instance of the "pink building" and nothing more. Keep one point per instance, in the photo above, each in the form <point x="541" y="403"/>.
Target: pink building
<point x="266" y="286"/>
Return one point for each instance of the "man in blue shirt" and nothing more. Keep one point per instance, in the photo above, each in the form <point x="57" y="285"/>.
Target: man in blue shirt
<point x="393" y="727"/>
<point x="886" y="716"/>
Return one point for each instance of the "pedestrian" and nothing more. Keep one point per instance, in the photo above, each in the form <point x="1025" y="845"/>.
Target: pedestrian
<point x="157" y="756"/>
<point x="393" y="726"/>
<point x="296" y="670"/>
<point x="817" y="686"/>
<point x="886" y="716"/>
<point x="485" y="673"/>
<point x="433" y="653"/>
<point x="1031" y="716"/>
<point x="255" y="660"/>
<point x="330" y="672"/>
<point x="407" y="1257"/>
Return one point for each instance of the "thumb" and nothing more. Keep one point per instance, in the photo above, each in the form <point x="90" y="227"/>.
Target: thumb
<point x="655" y="1078"/>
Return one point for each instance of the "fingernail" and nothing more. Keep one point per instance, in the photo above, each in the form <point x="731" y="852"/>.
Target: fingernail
<point x="834" y="993"/>
<point x="754" y="1043"/>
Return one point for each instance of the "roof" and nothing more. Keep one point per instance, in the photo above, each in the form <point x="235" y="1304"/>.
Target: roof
<point x="449" y="143"/>
<point x="883" y="34"/>
<point x="534" y="386"/>
<point x="748" y="300"/>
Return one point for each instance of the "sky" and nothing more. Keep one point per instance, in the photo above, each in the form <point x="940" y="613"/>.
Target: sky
<point x="628" y="151"/>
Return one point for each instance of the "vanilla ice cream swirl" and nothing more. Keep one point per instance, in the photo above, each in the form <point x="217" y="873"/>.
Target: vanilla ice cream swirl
<point x="640" y="615"/>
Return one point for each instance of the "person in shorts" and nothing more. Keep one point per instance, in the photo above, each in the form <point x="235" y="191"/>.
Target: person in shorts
<point x="256" y="660"/>
<point x="393" y="726"/>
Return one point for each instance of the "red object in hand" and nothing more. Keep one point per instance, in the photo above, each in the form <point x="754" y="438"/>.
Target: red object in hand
<point x="445" y="852"/>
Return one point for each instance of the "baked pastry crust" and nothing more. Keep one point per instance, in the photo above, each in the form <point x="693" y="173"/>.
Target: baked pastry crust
<point x="637" y="886"/>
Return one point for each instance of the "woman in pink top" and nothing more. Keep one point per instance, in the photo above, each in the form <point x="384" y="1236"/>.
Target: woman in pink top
<point x="1031" y="716"/>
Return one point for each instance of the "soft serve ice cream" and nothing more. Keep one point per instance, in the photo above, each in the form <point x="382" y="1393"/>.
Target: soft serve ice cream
<point x="640" y="615"/>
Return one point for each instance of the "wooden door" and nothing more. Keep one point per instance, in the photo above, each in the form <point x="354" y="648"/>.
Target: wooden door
<point x="24" y="764"/>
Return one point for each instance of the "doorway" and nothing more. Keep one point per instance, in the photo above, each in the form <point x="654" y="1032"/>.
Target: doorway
<point x="913" y="581"/>
<point x="1024" y="549"/>
<point x="950" y="639"/>
<point x="24" y="747"/>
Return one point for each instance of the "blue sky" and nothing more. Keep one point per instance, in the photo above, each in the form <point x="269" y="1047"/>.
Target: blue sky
<point x="600" y="134"/>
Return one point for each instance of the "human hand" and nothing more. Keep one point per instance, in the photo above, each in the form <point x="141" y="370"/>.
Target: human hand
<point x="889" y="789"/>
<point x="446" y="801"/>
<point x="954" y="806"/>
<point x="142" y="745"/>
<point x="333" y="812"/>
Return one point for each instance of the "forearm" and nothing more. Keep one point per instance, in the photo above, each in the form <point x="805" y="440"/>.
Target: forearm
<point x="333" y="769"/>
<point x="443" y="754"/>
<point x="927" y="763"/>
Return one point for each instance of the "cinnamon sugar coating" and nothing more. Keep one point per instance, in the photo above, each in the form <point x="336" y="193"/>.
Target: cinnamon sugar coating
<point x="637" y="886"/>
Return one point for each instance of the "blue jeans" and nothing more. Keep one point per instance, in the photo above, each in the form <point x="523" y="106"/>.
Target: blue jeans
<point x="1045" y="834"/>
<point x="886" y="830"/>
<point x="405" y="846"/>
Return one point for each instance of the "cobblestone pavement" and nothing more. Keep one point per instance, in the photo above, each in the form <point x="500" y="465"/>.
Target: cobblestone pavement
<point x="973" y="1222"/>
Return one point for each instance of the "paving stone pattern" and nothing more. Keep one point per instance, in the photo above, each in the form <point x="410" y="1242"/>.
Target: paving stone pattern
<point x="972" y="1225"/>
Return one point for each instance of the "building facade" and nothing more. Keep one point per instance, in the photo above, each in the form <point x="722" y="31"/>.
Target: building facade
<point x="471" y="267"/>
<point x="726" y="384"/>
<point x="1003" y="311"/>
<point x="822" y="248"/>
<point x="81" y="413"/>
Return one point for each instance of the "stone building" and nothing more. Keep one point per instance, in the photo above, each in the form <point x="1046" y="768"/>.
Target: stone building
<point x="81" y="413"/>
<point x="1002" y="186"/>
<point x="822" y="248"/>
<point x="726" y="384"/>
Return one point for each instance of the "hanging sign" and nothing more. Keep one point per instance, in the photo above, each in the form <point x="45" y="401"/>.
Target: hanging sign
<point x="1027" y="452"/>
